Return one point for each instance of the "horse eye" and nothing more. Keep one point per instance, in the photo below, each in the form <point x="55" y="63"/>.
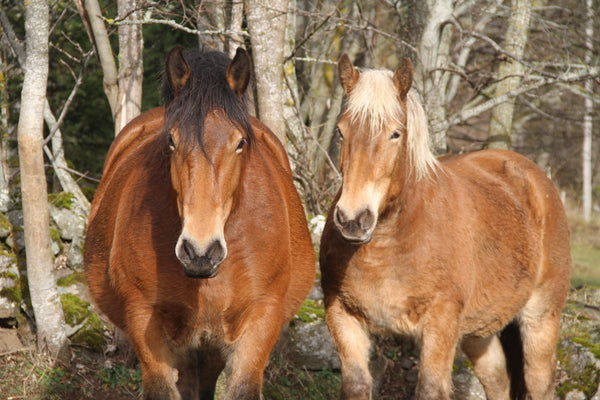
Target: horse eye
<point x="171" y="143"/>
<point x="240" y="146"/>
<point x="339" y="133"/>
<point x="395" y="135"/>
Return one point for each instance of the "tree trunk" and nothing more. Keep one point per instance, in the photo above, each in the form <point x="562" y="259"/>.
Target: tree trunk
<point x="266" y="25"/>
<point x="131" y="65"/>
<point x="4" y="175"/>
<point x="433" y="57"/>
<point x="42" y="283"/>
<point x="104" y="51"/>
<point x="587" y="121"/>
<point x="509" y="74"/>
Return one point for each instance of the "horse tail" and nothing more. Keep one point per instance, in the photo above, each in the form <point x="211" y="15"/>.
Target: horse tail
<point x="510" y="337"/>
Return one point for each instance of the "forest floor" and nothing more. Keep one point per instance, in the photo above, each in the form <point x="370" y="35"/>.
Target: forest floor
<point x="27" y="374"/>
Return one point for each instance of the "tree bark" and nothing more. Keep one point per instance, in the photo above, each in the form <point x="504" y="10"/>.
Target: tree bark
<point x="42" y="283"/>
<point x="266" y="25"/>
<point x="509" y="74"/>
<point x="4" y="174"/>
<point x="433" y="58"/>
<point x="131" y="65"/>
<point x="587" y="119"/>
<point x="105" y="53"/>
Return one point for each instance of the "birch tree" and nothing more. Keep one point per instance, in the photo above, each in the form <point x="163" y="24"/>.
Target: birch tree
<point x="122" y="85"/>
<point x="586" y="153"/>
<point x="266" y="24"/>
<point x="509" y="74"/>
<point x="42" y="283"/>
<point x="131" y="65"/>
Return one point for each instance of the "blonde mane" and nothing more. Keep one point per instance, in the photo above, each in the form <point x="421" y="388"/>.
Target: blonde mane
<point x="373" y="103"/>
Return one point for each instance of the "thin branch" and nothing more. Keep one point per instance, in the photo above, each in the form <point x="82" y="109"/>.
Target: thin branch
<point x="147" y="20"/>
<point x="67" y="104"/>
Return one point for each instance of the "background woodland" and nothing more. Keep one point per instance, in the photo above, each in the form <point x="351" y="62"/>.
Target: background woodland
<point x="518" y="74"/>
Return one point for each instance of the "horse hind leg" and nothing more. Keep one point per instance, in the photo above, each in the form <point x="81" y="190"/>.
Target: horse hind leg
<point x="539" y="328"/>
<point x="489" y="364"/>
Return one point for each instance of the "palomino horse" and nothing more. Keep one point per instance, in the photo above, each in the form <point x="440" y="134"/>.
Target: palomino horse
<point x="197" y="245"/>
<point x="447" y="251"/>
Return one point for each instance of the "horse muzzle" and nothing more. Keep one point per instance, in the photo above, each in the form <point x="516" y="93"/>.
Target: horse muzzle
<point x="200" y="263"/>
<point x="357" y="230"/>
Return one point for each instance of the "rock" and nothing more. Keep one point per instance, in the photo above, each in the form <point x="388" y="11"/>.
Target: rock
<point x="75" y="254"/>
<point x="309" y="345"/>
<point x="466" y="384"/>
<point x="70" y="222"/>
<point x="575" y="395"/>
<point x="10" y="297"/>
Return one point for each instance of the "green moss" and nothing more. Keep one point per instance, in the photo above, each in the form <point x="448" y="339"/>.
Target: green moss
<point x="55" y="236"/>
<point x="69" y="280"/>
<point x="4" y="222"/>
<point x="63" y="200"/>
<point x="13" y="294"/>
<point x="586" y="381"/>
<point x="91" y="334"/>
<point x="311" y="310"/>
<point x="75" y="309"/>
<point x="591" y="346"/>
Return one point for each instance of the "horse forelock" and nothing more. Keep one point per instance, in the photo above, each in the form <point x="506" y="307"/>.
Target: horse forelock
<point x="374" y="103"/>
<point x="205" y="91"/>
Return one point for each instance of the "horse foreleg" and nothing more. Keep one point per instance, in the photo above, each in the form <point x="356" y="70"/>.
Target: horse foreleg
<point x="251" y="349"/>
<point x="198" y="374"/>
<point x="156" y="360"/>
<point x="353" y="344"/>
<point x="438" y="345"/>
<point x="489" y="364"/>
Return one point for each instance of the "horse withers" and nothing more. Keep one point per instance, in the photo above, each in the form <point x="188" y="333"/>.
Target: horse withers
<point x="450" y="251"/>
<point x="197" y="245"/>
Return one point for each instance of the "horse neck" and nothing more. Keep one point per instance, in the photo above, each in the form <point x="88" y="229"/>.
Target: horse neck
<point x="408" y="196"/>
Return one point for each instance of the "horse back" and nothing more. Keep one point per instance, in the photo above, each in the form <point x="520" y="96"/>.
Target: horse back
<point x="511" y="190"/>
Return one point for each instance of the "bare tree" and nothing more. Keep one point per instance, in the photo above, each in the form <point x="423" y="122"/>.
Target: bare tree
<point x="509" y="74"/>
<point x="131" y="65"/>
<point x="122" y="86"/>
<point x="586" y="153"/>
<point x="42" y="283"/>
<point x="266" y="25"/>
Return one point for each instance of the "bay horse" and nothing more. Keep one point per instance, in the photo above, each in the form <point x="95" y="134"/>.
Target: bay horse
<point x="197" y="244"/>
<point x="449" y="251"/>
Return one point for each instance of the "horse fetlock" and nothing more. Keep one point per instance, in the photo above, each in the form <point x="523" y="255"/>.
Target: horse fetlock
<point x="158" y="389"/>
<point x="356" y="385"/>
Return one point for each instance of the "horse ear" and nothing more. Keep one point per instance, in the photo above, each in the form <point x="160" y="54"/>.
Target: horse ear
<point x="178" y="70"/>
<point x="238" y="72"/>
<point x="347" y="73"/>
<point x="403" y="77"/>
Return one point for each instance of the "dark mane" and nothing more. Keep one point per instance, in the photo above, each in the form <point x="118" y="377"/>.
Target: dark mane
<point x="206" y="90"/>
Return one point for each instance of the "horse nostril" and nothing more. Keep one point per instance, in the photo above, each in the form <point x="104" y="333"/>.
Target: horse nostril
<point x="340" y="217"/>
<point x="366" y="220"/>
<point x="188" y="249"/>
<point x="216" y="252"/>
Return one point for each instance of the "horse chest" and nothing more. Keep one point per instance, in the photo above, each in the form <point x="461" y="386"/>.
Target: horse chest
<point x="387" y="302"/>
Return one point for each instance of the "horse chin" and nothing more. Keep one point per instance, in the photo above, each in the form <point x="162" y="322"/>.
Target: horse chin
<point x="357" y="240"/>
<point x="200" y="273"/>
